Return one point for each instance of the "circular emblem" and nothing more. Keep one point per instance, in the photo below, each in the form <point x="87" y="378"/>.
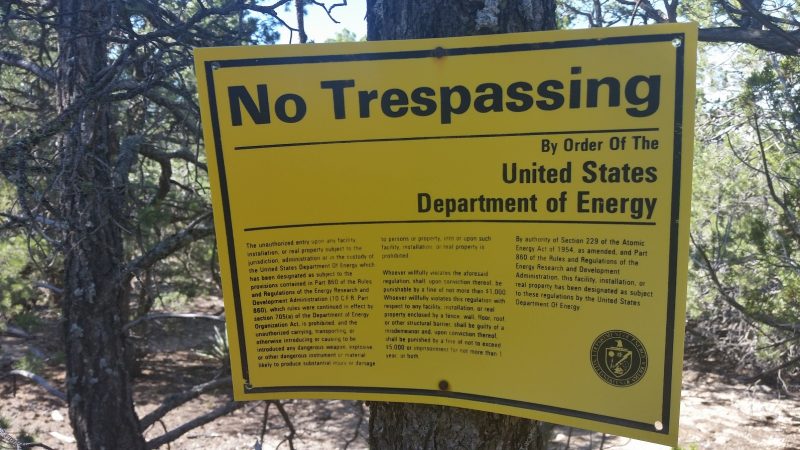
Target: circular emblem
<point x="619" y="358"/>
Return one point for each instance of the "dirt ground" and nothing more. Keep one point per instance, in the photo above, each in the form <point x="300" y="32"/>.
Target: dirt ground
<point x="717" y="412"/>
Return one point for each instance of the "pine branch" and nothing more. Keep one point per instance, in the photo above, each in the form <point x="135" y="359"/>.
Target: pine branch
<point x="774" y="370"/>
<point x="41" y="382"/>
<point x="194" y="423"/>
<point x="16" y="332"/>
<point x="156" y="316"/>
<point x="169" y="245"/>
<point x="329" y="9"/>
<point x="764" y="39"/>
<point x="12" y="59"/>
<point x="177" y="400"/>
<point x="730" y="300"/>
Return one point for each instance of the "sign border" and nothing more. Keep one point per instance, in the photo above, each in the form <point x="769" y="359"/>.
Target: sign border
<point x="212" y="65"/>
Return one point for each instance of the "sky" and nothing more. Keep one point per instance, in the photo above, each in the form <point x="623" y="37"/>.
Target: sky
<point x="320" y="27"/>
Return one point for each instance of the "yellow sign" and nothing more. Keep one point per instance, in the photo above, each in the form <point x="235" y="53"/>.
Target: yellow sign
<point x="493" y="222"/>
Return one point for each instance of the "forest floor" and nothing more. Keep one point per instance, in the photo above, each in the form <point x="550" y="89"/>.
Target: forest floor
<point x="718" y="411"/>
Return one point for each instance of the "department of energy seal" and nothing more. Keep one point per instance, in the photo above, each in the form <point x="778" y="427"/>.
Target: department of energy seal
<point x="619" y="358"/>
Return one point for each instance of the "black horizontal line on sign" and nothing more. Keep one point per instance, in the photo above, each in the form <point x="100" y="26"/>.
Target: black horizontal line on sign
<point x="463" y="396"/>
<point x="426" y="138"/>
<point x="380" y="222"/>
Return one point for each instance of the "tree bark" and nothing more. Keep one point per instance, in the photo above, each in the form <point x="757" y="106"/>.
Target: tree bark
<point x="404" y="426"/>
<point x="417" y="19"/>
<point x="407" y="426"/>
<point x="95" y="302"/>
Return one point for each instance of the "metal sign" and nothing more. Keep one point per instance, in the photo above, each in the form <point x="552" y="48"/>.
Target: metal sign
<point x="494" y="222"/>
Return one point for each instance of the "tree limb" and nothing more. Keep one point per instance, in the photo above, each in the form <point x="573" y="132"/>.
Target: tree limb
<point x="156" y="316"/>
<point x="6" y="438"/>
<point x="41" y="382"/>
<point x="19" y="148"/>
<point x="182" y="113"/>
<point x="769" y="23"/>
<point x="759" y="317"/>
<point x="357" y="434"/>
<point x="162" y="157"/>
<point x="16" y="332"/>
<point x="774" y="370"/>
<point x="264" y="421"/>
<point x="647" y="7"/>
<point x="792" y="223"/>
<point x="177" y="400"/>
<point x="168" y="246"/>
<point x="194" y="423"/>
<point x="270" y="11"/>
<point x="12" y="59"/>
<point x="289" y="424"/>
<point x="49" y="287"/>
<point x="128" y="150"/>
<point x="329" y="9"/>
<point x="22" y="221"/>
<point x="763" y="39"/>
<point x="588" y="16"/>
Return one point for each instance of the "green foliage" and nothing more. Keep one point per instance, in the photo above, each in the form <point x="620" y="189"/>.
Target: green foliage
<point x="21" y="440"/>
<point x="345" y="35"/>
<point x="746" y="230"/>
<point x="26" y="437"/>
<point x="28" y="321"/>
<point x="218" y="349"/>
<point x="30" y="363"/>
<point x="16" y="277"/>
<point x="57" y="358"/>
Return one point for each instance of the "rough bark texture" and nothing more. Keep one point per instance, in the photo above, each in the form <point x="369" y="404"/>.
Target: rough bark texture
<point x="414" y="19"/>
<point x="409" y="426"/>
<point x="94" y="305"/>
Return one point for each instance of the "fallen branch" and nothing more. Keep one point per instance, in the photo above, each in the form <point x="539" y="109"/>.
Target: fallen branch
<point x="6" y="438"/>
<point x="763" y="318"/>
<point x="176" y="400"/>
<point x="44" y="285"/>
<point x="357" y="434"/>
<point x="155" y="316"/>
<point x="289" y="424"/>
<point x="16" y="332"/>
<point x="194" y="423"/>
<point x="41" y="382"/>
<point x="773" y="370"/>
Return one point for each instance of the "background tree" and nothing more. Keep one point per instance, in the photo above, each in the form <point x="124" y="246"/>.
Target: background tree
<point x="743" y="301"/>
<point x="344" y="35"/>
<point x="746" y="233"/>
<point x="770" y="25"/>
<point x="102" y="149"/>
<point x="397" y="425"/>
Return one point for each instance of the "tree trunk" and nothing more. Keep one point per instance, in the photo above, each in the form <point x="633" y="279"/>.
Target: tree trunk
<point x="416" y="19"/>
<point x="95" y="302"/>
<point x="405" y="426"/>
<point x="410" y="426"/>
